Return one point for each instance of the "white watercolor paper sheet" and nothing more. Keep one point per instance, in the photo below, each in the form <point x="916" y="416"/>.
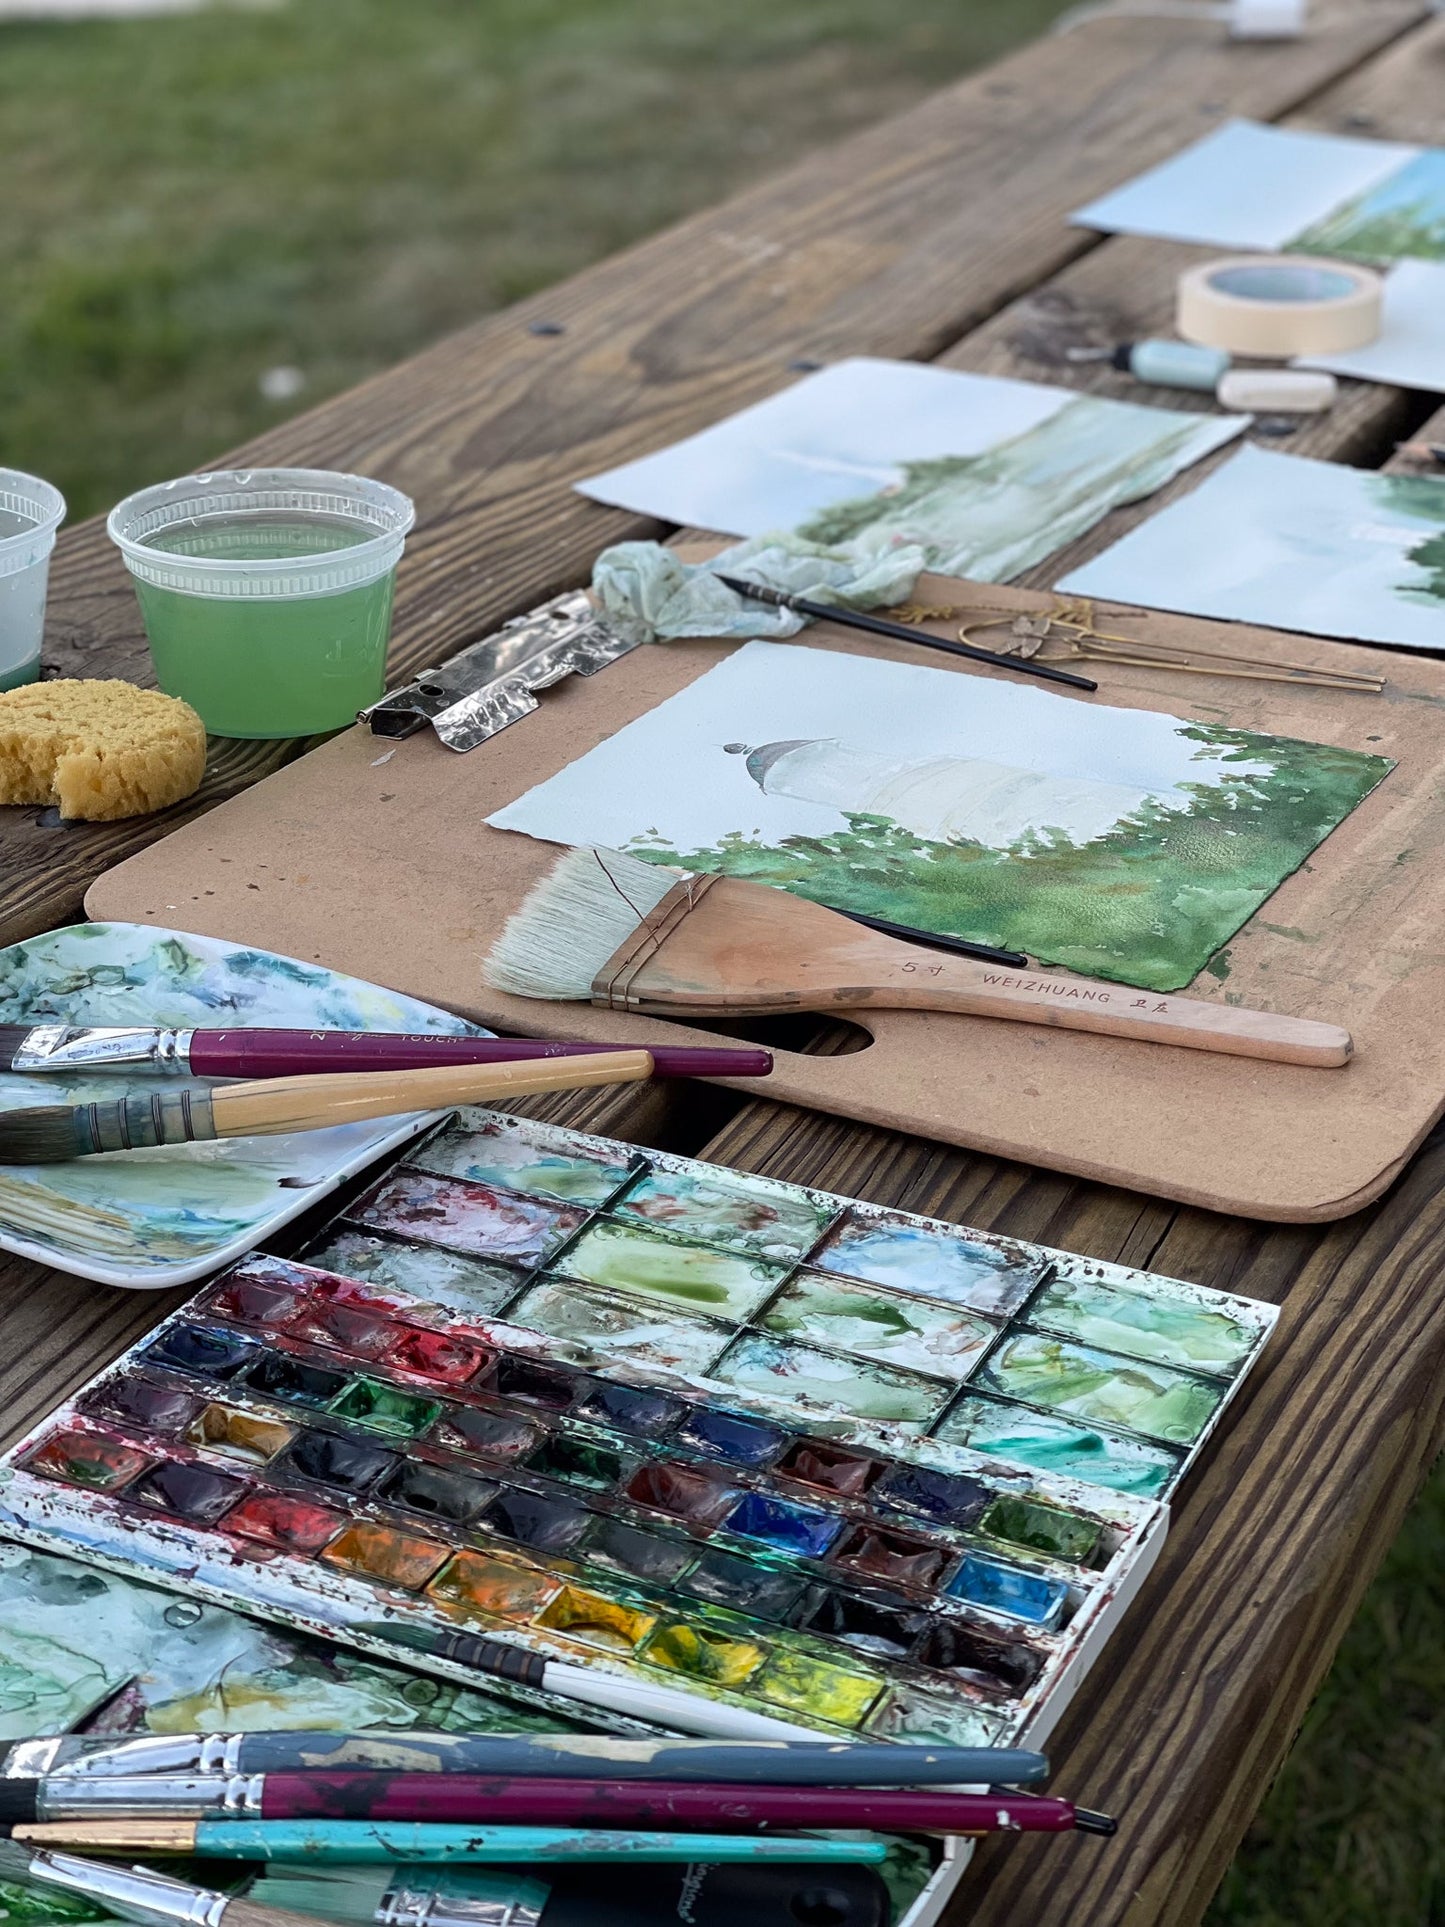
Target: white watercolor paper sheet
<point x="1290" y="543"/>
<point x="1410" y="351"/>
<point x="1247" y="186"/>
<point x="989" y="475"/>
<point x="959" y="804"/>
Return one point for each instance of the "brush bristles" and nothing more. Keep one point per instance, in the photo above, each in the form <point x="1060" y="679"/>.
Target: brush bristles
<point x="581" y="913"/>
<point x="41" y="1134"/>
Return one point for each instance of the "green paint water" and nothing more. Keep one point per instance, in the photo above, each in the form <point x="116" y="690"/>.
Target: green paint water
<point x="266" y="666"/>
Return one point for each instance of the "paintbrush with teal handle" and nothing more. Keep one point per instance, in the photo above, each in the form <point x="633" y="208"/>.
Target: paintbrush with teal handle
<point x="370" y="1843"/>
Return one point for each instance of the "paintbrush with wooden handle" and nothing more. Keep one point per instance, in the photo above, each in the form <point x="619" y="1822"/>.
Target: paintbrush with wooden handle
<point x="51" y="1133"/>
<point x="136" y="1893"/>
<point x="634" y="936"/>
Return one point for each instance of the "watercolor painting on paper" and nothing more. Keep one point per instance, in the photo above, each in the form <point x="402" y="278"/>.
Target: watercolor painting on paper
<point x="167" y="1216"/>
<point x="988" y="476"/>
<point x="1278" y="188"/>
<point x="962" y="806"/>
<point x="1291" y="544"/>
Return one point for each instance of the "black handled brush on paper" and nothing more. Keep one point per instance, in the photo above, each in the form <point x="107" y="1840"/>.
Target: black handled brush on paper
<point x="901" y="632"/>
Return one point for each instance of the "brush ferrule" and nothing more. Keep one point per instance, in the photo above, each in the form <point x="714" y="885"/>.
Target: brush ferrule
<point x="613" y="983"/>
<point x="152" y="1796"/>
<point x="131" y="1892"/>
<point x="137" y="1123"/>
<point x="157" y="1753"/>
<point x="65" y="1047"/>
<point x="33" y="1759"/>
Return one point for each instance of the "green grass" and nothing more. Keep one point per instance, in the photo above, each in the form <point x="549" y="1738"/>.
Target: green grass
<point x="191" y="201"/>
<point x="331" y="184"/>
<point x="1353" y="1832"/>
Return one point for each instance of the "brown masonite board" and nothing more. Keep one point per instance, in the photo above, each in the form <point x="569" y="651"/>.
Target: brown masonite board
<point x="375" y="858"/>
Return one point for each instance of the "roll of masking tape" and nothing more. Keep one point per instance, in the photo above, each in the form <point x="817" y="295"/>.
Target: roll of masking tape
<point x="1278" y="305"/>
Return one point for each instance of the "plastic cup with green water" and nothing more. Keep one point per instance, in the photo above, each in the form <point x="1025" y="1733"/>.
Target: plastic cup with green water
<point x="266" y="593"/>
<point x="30" y="513"/>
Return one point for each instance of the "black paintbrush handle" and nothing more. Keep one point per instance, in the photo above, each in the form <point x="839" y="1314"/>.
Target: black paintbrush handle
<point x="881" y="626"/>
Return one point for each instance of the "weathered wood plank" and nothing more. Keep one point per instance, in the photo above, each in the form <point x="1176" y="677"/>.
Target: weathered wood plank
<point x="894" y="243"/>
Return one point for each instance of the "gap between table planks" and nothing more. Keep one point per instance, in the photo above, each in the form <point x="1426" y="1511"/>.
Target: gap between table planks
<point x="895" y="243"/>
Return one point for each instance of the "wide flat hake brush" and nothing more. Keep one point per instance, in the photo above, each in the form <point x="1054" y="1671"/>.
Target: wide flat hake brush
<point x="628" y="935"/>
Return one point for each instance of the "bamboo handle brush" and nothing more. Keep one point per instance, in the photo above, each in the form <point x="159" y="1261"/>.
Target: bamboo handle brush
<point x="51" y="1133"/>
<point x="634" y="936"/>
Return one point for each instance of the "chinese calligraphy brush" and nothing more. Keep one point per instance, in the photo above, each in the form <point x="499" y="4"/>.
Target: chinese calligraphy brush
<point x="628" y="935"/>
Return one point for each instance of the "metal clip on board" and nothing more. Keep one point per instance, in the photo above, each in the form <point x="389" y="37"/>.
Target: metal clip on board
<point x="492" y="683"/>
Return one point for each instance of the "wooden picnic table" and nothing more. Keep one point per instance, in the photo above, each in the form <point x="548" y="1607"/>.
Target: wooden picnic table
<point x="938" y="235"/>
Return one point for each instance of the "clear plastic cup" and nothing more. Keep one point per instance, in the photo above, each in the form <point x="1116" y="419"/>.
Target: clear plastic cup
<point x="30" y="513"/>
<point x="266" y="593"/>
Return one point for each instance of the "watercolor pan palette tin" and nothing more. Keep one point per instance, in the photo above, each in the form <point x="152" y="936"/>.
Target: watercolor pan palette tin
<point x="291" y="1444"/>
<point x="797" y="1303"/>
<point x="779" y="1455"/>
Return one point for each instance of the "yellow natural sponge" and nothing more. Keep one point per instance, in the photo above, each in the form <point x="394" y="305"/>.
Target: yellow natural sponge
<point x="98" y="749"/>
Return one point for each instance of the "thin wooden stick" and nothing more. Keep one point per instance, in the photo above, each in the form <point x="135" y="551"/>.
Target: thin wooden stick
<point x="281" y="1104"/>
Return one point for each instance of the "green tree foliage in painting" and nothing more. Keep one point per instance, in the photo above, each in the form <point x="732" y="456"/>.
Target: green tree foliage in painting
<point x="991" y="516"/>
<point x="1399" y="217"/>
<point x="1421" y="499"/>
<point x="1393" y="234"/>
<point x="1148" y="904"/>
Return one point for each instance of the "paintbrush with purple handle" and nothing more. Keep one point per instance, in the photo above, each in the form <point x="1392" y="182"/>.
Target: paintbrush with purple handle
<point x="297" y="1053"/>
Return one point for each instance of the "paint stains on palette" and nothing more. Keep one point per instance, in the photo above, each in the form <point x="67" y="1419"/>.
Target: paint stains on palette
<point x="905" y="1332"/>
<point x="80" y="1648"/>
<point x="473" y="1218"/>
<point x="486" y="1150"/>
<point x="772" y="1221"/>
<point x="297" y="1458"/>
<point x="932" y="1261"/>
<point x="1147" y="1399"/>
<point x="803" y="1304"/>
<point x="869" y="1472"/>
